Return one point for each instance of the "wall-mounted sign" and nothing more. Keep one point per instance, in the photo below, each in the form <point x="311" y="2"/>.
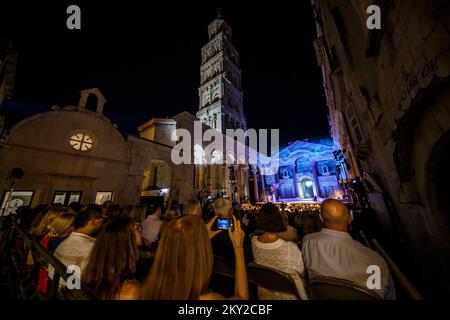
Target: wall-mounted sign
<point x="18" y="199"/>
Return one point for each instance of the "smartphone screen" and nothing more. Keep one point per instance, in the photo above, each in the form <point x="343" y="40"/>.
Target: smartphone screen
<point x="224" y="224"/>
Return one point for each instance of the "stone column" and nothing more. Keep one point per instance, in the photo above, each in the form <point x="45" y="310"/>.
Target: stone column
<point x="315" y="179"/>
<point x="245" y="178"/>
<point x="294" y="178"/>
<point x="235" y="186"/>
<point x="209" y="178"/>
<point x="255" y="184"/>
<point x="263" y="187"/>
<point x="354" y="165"/>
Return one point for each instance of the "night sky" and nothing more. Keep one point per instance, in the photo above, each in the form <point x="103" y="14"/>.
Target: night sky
<point x="146" y="61"/>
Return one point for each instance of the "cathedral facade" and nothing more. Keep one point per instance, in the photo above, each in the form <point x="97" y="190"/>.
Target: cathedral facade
<point x="307" y="172"/>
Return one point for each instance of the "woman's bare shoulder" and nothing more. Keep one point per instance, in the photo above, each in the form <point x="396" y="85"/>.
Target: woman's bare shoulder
<point x="130" y="291"/>
<point x="211" y="296"/>
<point x="216" y="296"/>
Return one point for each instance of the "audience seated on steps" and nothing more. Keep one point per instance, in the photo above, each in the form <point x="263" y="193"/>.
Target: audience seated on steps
<point x="333" y="253"/>
<point x="183" y="263"/>
<point x="271" y="251"/>
<point x="111" y="270"/>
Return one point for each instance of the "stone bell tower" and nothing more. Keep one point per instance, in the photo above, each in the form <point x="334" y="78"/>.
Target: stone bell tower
<point x="220" y="93"/>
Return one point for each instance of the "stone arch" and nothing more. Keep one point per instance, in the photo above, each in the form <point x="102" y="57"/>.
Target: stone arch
<point x="306" y="187"/>
<point x="428" y="132"/>
<point x="157" y="174"/>
<point x="406" y="126"/>
<point x="428" y="149"/>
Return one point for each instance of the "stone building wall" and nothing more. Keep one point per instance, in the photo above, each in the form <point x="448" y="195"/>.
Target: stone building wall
<point x="393" y="87"/>
<point x="41" y="146"/>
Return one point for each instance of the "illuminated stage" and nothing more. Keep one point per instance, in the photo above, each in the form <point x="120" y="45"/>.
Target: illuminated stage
<point x="291" y="204"/>
<point x="301" y="205"/>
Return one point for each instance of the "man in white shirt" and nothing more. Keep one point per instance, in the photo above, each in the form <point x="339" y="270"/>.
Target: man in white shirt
<point x="76" y="248"/>
<point x="151" y="225"/>
<point x="333" y="253"/>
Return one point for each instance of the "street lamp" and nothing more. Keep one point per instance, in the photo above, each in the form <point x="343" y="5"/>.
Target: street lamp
<point x="15" y="175"/>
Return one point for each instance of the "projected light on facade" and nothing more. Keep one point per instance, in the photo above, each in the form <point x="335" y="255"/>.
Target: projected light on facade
<point x="307" y="171"/>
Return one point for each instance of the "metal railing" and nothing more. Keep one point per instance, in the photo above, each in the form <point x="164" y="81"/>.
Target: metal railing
<point x="401" y="278"/>
<point x="20" y="278"/>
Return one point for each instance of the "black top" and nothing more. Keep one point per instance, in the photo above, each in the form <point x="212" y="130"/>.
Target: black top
<point x="54" y="242"/>
<point x="223" y="247"/>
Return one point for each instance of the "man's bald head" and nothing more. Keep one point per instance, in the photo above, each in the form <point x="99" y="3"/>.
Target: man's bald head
<point x="335" y="214"/>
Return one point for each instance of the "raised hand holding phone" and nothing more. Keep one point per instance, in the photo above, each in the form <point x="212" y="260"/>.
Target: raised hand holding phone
<point x="237" y="234"/>
<point x="211" y="232"/>
<point x="225" y="223"/>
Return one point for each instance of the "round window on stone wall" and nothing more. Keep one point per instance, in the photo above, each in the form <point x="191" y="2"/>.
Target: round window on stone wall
<point x="81" y="141"/>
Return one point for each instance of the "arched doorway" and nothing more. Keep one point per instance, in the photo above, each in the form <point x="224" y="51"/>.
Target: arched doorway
<point x="157" y="174"/>
<point x="307" y="188"/>
<point x="426" y="145"/>
<point x="157" y="183"/>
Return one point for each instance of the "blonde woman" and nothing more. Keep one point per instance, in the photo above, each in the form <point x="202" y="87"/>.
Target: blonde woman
<point x="184" y="261"/>
<point x="40" y="224"/>
<point x="59" y="228"/>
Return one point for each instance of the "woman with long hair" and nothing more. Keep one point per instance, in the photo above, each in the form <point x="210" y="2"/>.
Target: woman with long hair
<point x="170" y="214"/>
<point x="111" y="268"/>
<point x="39" y="226"/>
<point x="184" y="262"/>
<point x="59" y="227"/>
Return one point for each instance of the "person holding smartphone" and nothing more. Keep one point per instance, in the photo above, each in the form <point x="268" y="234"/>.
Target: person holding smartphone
<point x="221" y="243"/>
<point x="185" y="254"/>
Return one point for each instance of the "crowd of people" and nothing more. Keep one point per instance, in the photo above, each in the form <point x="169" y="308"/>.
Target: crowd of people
<point x="148" y="252"/>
